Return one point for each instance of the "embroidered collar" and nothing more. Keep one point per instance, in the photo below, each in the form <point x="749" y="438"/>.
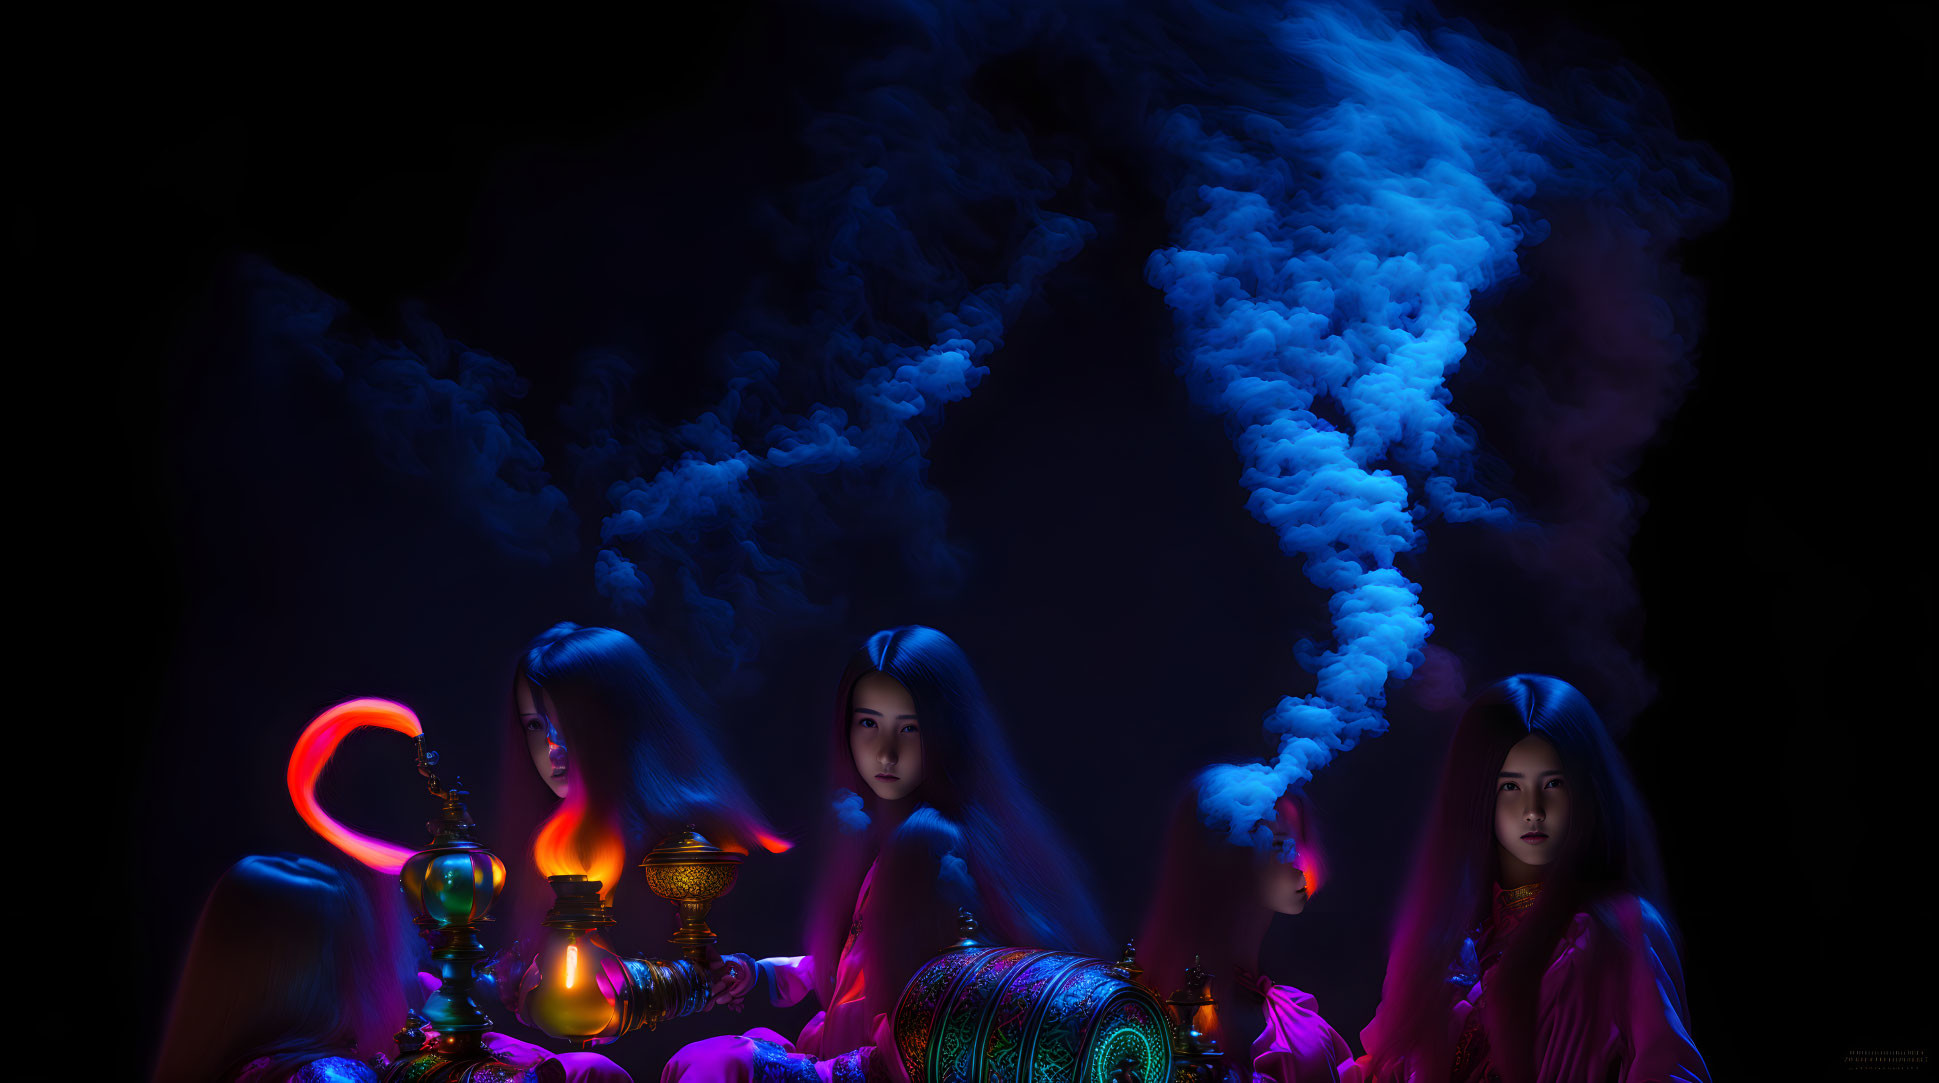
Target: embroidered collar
<point x="1515" y="900"/>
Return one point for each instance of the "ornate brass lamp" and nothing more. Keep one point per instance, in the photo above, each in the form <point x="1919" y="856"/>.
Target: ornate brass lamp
<point x="1195" y="1054"/>
<point x="578" y="988"/>
<point x="572" y="987"/>
<point x="690" y="872"/>
<point x="450" y="886"/>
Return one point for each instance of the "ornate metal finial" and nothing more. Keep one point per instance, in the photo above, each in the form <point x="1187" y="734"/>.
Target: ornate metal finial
<point x="966" y="930"/>
<point x="427" y="759"/>
<point x="1195" y="1054"/>
<point x="454" y="822"/>
<point x="1127" y="963"/>
<point x="411" y="1038"/>
<point x="1195" y="978"/>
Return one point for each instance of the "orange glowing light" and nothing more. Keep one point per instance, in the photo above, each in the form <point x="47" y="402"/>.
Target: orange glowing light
<point x="313" y="751"/>
<point x="1312" y="862"/>
<point x="773" y="844"/>
<point x="1296" y="816"/>
<point x="573" y="841"/>
<point x="572" y="963"/>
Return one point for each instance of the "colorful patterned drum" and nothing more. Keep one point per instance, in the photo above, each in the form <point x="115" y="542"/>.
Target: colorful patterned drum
<point x="1023" y="1015"/>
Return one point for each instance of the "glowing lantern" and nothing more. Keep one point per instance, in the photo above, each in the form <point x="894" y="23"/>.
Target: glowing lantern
<point x="577" y="987"/>
<point x="452" y="884"/>
<point x="572" y="988"/>
<point x="574" y="985"/>
<point x="1195" y="1053"/>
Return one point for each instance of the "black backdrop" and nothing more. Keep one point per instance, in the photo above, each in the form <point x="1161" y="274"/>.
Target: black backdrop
<point x="242" y="562"/>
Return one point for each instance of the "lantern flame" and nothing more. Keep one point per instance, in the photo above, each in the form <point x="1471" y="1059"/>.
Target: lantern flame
<point x="574" y="841"/>
<point x="572" y="963"/>
<point x="312" y="753"/>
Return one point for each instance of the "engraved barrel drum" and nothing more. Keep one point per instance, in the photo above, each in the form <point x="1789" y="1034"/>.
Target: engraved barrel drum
<point x="1026" y="1015"/>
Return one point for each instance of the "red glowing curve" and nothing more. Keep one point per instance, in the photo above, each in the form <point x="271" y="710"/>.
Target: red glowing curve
<point x="773" y="844"/>
<point x="314" y="749"/>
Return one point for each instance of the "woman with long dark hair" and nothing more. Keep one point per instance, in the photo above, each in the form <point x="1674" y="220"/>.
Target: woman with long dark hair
<point x="291" y="975"/>
<point x="930" y="815"/>
<point x="1213" y="903"/>
<point x="592" y="712"/>
<point x="298" y="973"/>
<point x="1532" y="947"/>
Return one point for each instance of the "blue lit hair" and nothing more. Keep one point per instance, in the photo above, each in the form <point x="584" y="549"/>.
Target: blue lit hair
<point x="289" y="961"/>
<point x="641" y="755"/>
<point x="978" y="837"/>
<point x="1607" y="855"/>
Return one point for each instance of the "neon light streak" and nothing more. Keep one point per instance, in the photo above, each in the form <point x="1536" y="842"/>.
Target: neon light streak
<point x="773" y="844"/>
<point x="313" y="751"/>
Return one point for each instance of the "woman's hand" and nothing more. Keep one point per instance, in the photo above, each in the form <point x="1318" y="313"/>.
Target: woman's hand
<point x="731" y="979"/>
<point x="501" y="971"/>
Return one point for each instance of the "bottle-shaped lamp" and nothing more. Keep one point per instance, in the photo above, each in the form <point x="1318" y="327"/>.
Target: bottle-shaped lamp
<point x="580" y="989"/>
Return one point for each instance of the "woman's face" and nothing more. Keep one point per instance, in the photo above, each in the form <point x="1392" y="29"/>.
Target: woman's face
<point x="1282" y="883"/>
<point x="884" y="737"/>
<point x="1531" y="807"/>
<point x="540" y="722"/>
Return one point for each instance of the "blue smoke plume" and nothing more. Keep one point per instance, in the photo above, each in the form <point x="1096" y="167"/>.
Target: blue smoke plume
<point x="908" y="163"/>
<point x="1335" y="223"/>
<point x="1346" y="181"/>
<point x="925" y="232"/>
<point x="431" y="407"/>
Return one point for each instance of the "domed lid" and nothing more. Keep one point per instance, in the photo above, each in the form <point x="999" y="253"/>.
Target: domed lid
<point x="688" y="847"/>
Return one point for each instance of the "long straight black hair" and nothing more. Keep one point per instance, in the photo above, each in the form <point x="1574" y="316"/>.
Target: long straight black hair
<point x="978" y="838"/>
<point x="1205" y="885"/>
<point x="1607" y="854"/>
<point x="292" y="960"/>
<point x="643" y="759"/>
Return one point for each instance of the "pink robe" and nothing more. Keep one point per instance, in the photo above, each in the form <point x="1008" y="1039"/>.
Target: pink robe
<point x="836" y="1046"/>
<point x="1296" y="1045"/>
<point x="1637" y="1035"/>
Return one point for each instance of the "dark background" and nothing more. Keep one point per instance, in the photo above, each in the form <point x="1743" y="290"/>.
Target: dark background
<point x="240" y="561"/>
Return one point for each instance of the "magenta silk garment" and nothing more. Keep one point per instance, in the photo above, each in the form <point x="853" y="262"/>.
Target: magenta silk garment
<point x="1611" y="1009"/>
<point x="1296" y="1046"/>
<point x="578" y="1067"/>
<point x="833" y="1045"/>
<point x="844" y="1025"/>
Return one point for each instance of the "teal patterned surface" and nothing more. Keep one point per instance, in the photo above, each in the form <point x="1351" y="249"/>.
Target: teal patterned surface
<point x="1023" y="1015"/>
